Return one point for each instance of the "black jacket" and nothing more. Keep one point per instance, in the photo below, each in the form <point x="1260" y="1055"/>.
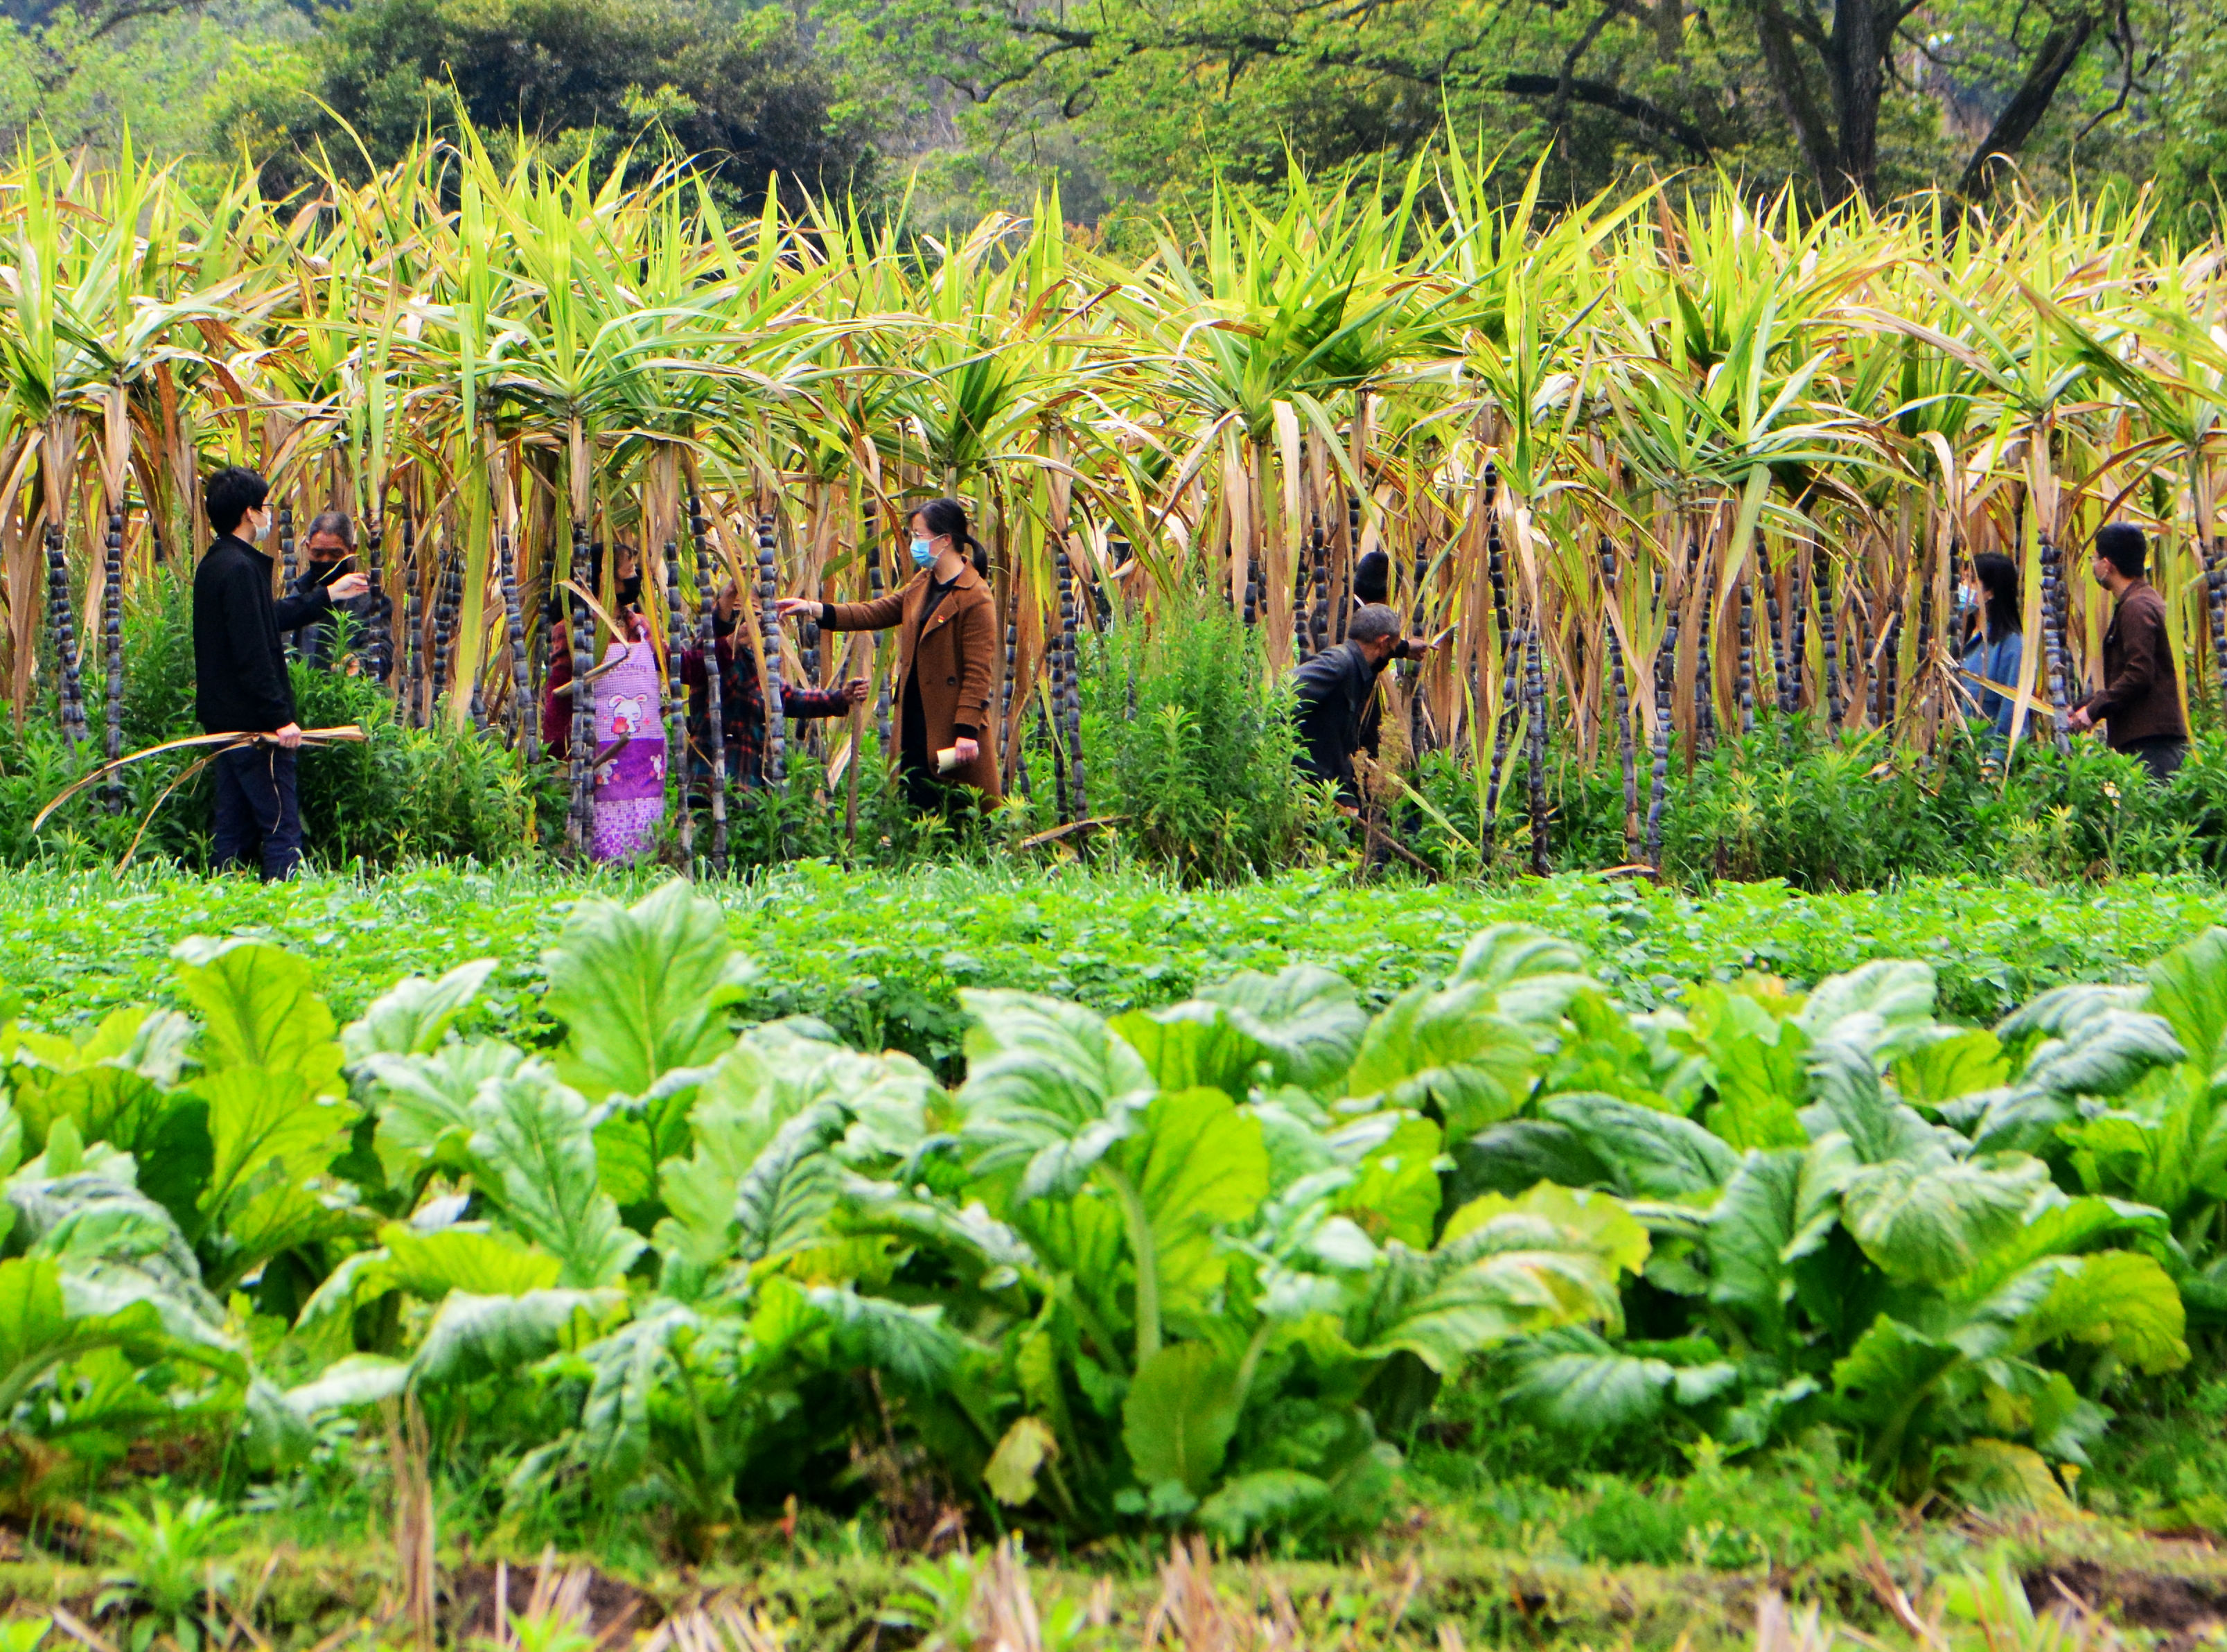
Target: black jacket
<point x="1334" y="691"/>
<point x="314" y="642"/>
<point x="240" y="663"/>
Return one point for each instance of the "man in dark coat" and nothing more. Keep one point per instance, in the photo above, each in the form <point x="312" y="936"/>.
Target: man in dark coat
<point x="2140" y="701"/>
<point x="240" y="672"/>
<point x="328" y="553"/>
<point x="1335" y="689"/>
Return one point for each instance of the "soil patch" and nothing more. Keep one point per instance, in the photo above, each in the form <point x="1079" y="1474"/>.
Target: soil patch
<point x="2183" y="1609"/>
<point x="615" y="1609"/>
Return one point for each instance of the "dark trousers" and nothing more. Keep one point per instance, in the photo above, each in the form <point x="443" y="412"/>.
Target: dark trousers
<point x="257" y="819"/>
<point x="2160" y="754"/>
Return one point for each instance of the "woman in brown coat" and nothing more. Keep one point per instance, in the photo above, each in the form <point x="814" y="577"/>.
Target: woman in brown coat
<point x="947" y="656"/>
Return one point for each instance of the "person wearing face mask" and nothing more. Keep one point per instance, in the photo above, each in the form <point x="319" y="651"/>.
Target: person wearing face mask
<point x="948" y="657"/>
<point x="2140" y="701"/>
<point x="240" y="683"/>
<point x="1996" y="647"/>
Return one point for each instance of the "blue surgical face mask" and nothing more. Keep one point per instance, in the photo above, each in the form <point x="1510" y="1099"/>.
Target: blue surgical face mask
<point x="923" y="554"/>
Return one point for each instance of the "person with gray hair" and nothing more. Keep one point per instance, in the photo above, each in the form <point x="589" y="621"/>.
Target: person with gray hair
<point x="1335" y="689"/>
<point x="327" y="554"/>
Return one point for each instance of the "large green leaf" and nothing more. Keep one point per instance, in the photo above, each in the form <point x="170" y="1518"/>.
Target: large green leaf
<point x="266" y="1124"/>
<point x="424" y="1103"/>
<point x="1197" y="1163"/>
<point x="1757" y="1232"/>
<point x="49" y="1317"/>
<point x="258" y="1009"/>
<point x="1880" y="1127"/>
<point x="1649" y="1153"/>
<point x="1949" y="1063"/>
<point x="533" y="1132"/>
<point x="1192" y="1046"/>
<point x="1756" y="1063"/>
<point x="1530" y="975"/>
<point x="1049" y="1089"/>
<point x="1179" y="1416"/>
<point x="1931" y="1223"/>
<point x="414" y="1015"/>
<point x="468" y="1256"/>
<point x="1880" y="1007"/>
<point x="1503" y="1268"/>
<point x="627" y="1367"/>
<point x="473" y="1337"/>
<point x="2122" y="1300"/>
<point x="2188" y="987"/>
<point x="1306" y="1020"/>
<point x="1523" y="1153"/>
<point x="1447" y="1049"/>
<point x="643" y="991"/>
<point x="1887" y="1375"/>
<point x="1577" y="1383"/>
<point x="783" y="1200"/>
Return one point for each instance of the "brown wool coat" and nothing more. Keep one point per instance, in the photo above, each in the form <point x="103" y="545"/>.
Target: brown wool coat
<point x="957" y="658"/>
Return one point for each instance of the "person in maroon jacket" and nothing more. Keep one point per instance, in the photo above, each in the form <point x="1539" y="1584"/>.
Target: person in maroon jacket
<point x="2138" y="703"/>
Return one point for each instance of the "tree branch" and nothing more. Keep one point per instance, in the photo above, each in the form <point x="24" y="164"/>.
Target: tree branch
<point x="1600" y="95"/>
<point x="2059" y="51"/>
<point x="1791" y="81"/>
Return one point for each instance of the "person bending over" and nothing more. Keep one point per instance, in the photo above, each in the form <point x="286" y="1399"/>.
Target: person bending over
<point x="241" y="683"/>
<point x="1335" y="689"/>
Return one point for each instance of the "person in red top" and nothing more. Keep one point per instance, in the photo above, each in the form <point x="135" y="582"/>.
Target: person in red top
<point x="2138" y="703"/>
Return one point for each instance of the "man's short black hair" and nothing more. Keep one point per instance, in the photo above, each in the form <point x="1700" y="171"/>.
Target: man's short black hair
<point x="1371" y="623"/>
<point x="1372" y="577"/>
<point x="231" y="493"/>
<point x="2121" y="544"/>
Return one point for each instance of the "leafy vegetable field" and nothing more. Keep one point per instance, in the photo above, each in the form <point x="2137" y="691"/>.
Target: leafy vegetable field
<point x="1476" y="1241"/>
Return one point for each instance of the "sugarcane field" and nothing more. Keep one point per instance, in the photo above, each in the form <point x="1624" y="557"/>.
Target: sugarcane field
<point x="1438" y="894"/>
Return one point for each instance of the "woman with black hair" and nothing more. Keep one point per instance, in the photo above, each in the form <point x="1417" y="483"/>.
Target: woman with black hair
<point x="948" y="657"/>
<point x="1996" y="646"/>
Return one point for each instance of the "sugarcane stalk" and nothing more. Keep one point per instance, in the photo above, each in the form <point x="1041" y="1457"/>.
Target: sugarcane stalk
<point x="677" y="764"/>
<point x="1502" y="727"/>
<point x="1319" y="623"/>
<point x="1620" y="688"/>
<point x="1763" y="571"/>
<point x="708" y="640"/>
<point x="1071" y="708"/>
<point x="1827" y="644"/>
<point x="2052" y="641"/>
<point x="286" y="546"/>
<point x="72" y="692"/>
<point x="381" y="641"/>
<point x="776" y="765"/>
<point x="1666" y="681"/>
<point x="514" y="616"/>
<point x="444" y="625"/>
<point x="1705" y="680"/>
<point x="1061" y="797"/>
<point x="580" y="823"/>
<point x="1535" y="697"/>
<point x="112" y="627"/>
<point x="1746" y="655"/>
<point x="414" y="626"/>
<point x="881" y="677"/>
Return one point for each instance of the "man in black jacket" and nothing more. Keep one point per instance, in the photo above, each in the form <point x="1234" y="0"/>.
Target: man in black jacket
<point x="1335" y="689"/>
<point x="241" y="680"/>
<point x="328" y="549"/>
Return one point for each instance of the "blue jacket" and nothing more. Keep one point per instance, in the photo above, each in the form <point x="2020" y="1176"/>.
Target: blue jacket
<point x="1996" y="662"/>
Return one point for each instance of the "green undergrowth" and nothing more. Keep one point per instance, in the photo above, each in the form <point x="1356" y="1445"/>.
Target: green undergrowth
<point x="883" y="957"/>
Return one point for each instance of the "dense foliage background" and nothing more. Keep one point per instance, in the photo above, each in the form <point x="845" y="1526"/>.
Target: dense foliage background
<point x="1129" y="104"/>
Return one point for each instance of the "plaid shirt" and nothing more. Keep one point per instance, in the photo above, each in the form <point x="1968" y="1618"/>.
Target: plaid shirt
<point x="741" y="708"/>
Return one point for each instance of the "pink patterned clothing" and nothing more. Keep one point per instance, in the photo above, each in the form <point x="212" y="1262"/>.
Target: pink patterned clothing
<point x="630" y="753"/>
